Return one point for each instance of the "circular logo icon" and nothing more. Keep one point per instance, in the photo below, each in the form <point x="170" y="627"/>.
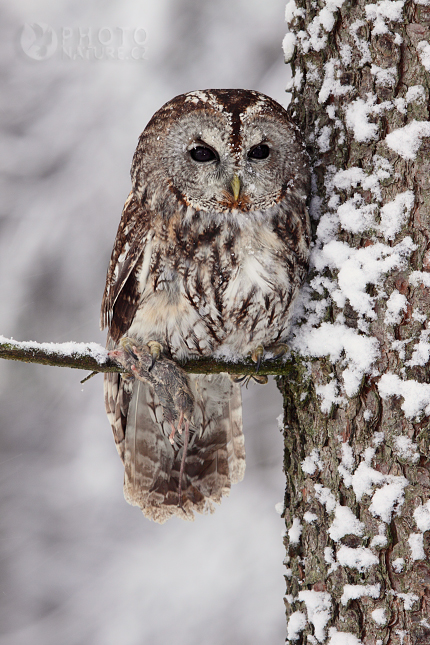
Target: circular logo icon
<point x="38" y="40"/>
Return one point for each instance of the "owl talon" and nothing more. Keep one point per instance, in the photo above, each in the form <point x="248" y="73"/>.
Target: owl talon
<point x="278" y="350"/>
<point x="129" y="345"/>
<point x="246" y="379"/>
<point x="155" y="349"/>
<point x="257" y="356"/>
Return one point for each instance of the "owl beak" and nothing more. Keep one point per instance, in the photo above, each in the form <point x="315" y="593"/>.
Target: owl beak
<point x="235" y="187"/>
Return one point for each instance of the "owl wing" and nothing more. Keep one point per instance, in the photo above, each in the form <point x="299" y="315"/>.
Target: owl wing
<point x="215" y="457"/>
<point x="122" y="291"/>
<point x="119" y="304"/>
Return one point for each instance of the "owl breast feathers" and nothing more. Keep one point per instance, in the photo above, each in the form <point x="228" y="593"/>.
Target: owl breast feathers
<point x="211" y="250"/>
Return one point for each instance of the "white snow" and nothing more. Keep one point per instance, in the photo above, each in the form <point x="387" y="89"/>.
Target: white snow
<point x="295" y="531"/>
<point x="416" y="395"/>
<point x="316" y="36"/>
<point x="420" y="277"/>
<point x="342" y="638"/>
<point x="355" y="215"/>
<point x="312" y="462"/>
<point x="384" y="76"/>
<point x="325" y="497"/>
<point x="406" y="141"/>
<point x="421" y="351"/>
<point x="357" y="268"/>
<point x="292" y="11"/>
<point x="94" y="350"/>
<point x="416" y="545"/>
<point x="289" y="46"/>
<point x="323" y="139"/>
<point x="379" y="616"/>
<point x="408" y="598"/>
<point x="296" y="624"/>
<point x="388" y="498"/>
<point x="318" y="605"/>
<point x="398" y="565"/>
<point x="423" y="49"/>
<point x="344" y="523"/>
<point x="382" y="12"/>
<point x="394" y="214"/>
<point x="331" y="85"/>
<point x="396" y="304"/>
<point x="385" y="500"/>
<point x="422" y="516"/>
<point x="329" y="395"/>
<point x="365" y="477"/>
<point x="352" y="592"/>
<point x="378" y="541"/>
<point x="279" y="508"/>
<point x="310" y="517"/>
<point x="360" y="558"/>
<point x="334" y="339"/>
<point x="356" y="115"/>
<point x="406" y="448"/>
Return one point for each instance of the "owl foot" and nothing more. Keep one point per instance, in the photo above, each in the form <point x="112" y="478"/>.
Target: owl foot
<point x="156" y="349"/>
<point x="277" y="350"/>
<point x="257" y="356"/>
<point x="168" y="379"/>
<point x="247" y="378"/>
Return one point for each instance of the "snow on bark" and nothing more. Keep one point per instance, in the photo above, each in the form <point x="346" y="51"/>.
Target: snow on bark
<point x="357" y="414"/>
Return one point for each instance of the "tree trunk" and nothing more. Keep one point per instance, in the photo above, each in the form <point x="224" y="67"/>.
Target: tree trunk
<point x="356" y="419"/>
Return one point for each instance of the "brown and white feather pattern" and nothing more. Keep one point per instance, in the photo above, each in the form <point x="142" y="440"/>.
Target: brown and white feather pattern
<point x="203" y="271"/>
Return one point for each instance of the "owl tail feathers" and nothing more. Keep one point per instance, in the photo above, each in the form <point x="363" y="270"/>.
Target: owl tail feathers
<point x="215" y="457"/>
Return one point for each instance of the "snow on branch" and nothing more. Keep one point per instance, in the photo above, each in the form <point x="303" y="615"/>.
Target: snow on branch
<point x="94" y="358"/>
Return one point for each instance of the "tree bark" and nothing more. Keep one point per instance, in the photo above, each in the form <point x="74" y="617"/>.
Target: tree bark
<point x="356" y="421"/>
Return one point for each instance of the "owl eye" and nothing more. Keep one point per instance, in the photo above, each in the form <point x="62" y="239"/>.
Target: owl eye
<point x="259" y="152"/>
<point x="203" y="154"/>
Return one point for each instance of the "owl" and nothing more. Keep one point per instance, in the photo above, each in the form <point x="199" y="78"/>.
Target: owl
<point x="210" y="253"/>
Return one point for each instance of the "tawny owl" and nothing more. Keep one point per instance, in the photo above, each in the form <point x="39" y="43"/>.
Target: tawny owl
<point x="211" y="250"/>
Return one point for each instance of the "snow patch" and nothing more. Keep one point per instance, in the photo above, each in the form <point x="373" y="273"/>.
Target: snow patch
<point x="423" y="49"/>
<point x="422" y="516"/>
<point x="94" y="350"/>
<point x="345" y="523"/>
<point x="379" y="616"/>
<point x="416" y="395"/>
<point x="310" y="517"/>
<point x="406" y="448"/>
<point x="312" y="462"/>
<point x="296" y="624"/>
<point x="406" y="141"/>
<point x="360" y="558"/>
<point x="295" y="531"/>
<point x="352" y="592"/>
<point x="398" y="565"/>
<point x="396" y="304"/>
<point x="318" y="605"/>
<point x="342" y="638"/>
<point x="416" y="545"/>
<point x="382" y="12"/>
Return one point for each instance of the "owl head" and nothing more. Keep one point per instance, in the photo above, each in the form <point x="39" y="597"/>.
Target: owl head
<point x="221" y="151"/>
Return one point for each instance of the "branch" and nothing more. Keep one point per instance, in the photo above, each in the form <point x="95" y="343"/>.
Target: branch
<point x="93" y="357"/>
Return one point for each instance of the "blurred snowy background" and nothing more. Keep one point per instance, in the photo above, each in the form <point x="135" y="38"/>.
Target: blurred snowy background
<point x="78" y="565"/>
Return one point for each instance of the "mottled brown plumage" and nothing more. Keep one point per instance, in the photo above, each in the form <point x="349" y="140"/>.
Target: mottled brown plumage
<point x="210" y="253"/>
